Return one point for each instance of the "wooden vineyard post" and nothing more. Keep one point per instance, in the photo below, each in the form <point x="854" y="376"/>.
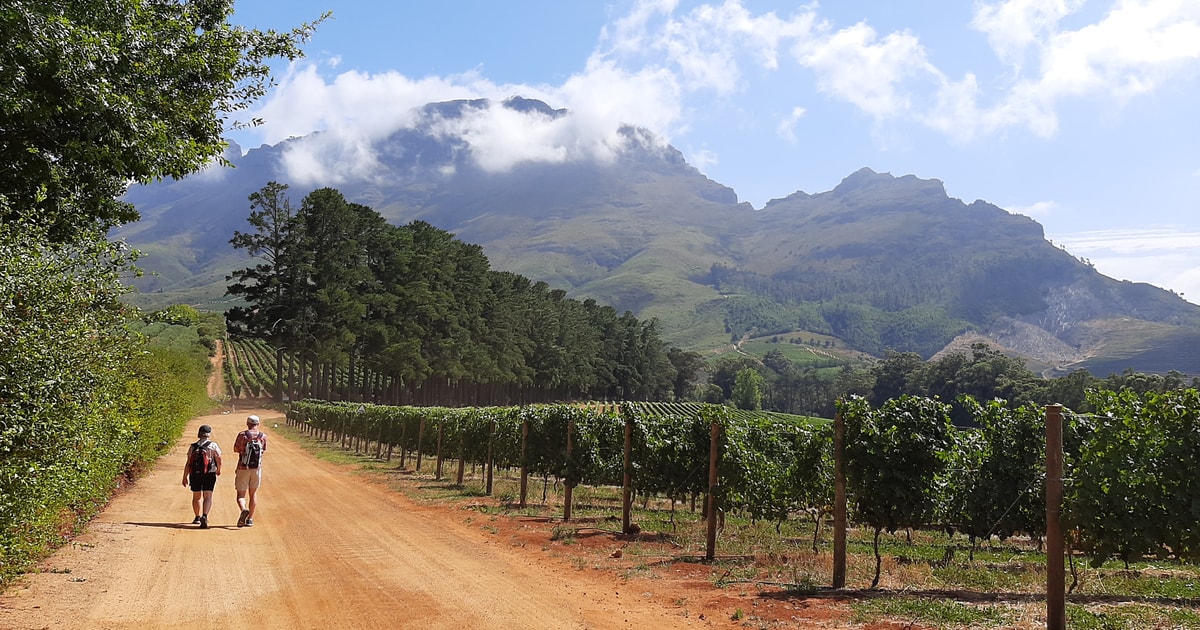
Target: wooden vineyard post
<point x="627" y="479"/>
<point x="420" y="438"/>
<point x="491" y="440"/>
<point x="569" y="486"/>
<point x="403" y="450"/>
<point x="839" y="501"/>
<point x="1056" y="611"/>
<point x="440" y="458"/>
<point x="462" y="461"/>
<point x="524" y="464"/>
<point x="714" y="444"/>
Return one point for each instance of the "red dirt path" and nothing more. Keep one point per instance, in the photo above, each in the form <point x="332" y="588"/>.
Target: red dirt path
<point x="334" y="549"/>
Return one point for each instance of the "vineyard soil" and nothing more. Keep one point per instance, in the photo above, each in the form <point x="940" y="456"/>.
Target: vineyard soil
<point x="334" y="549"/>
<point x="216" y="384"/>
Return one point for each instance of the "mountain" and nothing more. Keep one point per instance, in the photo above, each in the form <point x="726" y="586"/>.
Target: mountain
<point x="878" y="263"/>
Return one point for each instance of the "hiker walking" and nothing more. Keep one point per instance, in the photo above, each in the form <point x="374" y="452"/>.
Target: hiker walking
<point x="200" y="472"/>
<point x="250" y="446"/>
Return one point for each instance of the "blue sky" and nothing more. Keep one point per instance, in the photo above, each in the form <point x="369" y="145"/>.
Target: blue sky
<point x="1080" y="114"/>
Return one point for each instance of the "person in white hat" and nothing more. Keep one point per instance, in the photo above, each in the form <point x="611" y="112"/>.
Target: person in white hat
<point x="250" y="446"/>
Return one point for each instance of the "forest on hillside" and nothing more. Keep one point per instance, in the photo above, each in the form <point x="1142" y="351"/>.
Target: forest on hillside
<point x="410" y="313"/>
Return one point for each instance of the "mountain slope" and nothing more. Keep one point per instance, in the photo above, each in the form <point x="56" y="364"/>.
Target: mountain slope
<point x="878" y="262"/>
<point x="902" y="245"/>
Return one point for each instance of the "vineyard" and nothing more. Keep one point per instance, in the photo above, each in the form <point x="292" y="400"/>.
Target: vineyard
<point x="1130" y="492"/>
<point x="249" y="368"/>
<point x="648" y="449"/>
<point x="254" y="369"/>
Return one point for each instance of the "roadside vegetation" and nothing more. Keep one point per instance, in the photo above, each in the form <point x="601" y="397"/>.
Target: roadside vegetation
<point x="99" y="94"/>
<point x="91" y="397"/>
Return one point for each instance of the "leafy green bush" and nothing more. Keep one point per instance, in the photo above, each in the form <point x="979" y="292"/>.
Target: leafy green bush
<point x="81" y="404"/>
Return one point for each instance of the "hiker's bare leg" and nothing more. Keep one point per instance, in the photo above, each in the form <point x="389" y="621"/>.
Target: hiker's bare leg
<point x="252" y="501"/>
<point x="207" y="501"/>
<point x="241" y="499"/>
<point x="196" y="496"/>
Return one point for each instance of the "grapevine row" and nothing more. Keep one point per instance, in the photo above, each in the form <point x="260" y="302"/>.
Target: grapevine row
<point x="250" y="367"/>
<point x="1133" y="493"/>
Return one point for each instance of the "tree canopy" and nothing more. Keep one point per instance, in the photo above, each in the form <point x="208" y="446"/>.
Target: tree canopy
<point x="414" y="305"/>
<point x="95" y="94"/>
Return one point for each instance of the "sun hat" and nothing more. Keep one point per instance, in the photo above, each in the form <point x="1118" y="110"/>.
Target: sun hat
<point x="204" y="431"/>
<point x="253" y="420"/>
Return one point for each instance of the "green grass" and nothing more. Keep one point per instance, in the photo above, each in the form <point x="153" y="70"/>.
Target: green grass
<point x="939" y="613"/>
<point x="1130" y="617"/>
<point x="801" y="354"/>
<point x="1178" y="582"/>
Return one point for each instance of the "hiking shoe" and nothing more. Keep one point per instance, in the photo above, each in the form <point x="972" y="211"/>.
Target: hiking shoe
<point x="196" y="521"/>
<point x="243" y="518"/>
<point x="204" y="522"/>
<point x="249" y="522"/>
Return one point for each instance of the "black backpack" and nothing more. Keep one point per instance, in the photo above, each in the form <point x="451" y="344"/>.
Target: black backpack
<point x="202" y="459"/>
<point x="252" y="456"/>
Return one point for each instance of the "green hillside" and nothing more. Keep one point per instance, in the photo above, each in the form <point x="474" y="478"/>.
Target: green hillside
<point x="878" y="263"/>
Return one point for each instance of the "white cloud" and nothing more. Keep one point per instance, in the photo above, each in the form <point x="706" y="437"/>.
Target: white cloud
<point x="1036" y="209"/>
<point x="1165" y="257"/>
<point x="703" y="158"/>
<point x="857" y="66"/>
<point x="606" y="95"/>
<point x="787" y="125"/>
<point x="330" y="159"/>
<point x="1013" y="27"/>
<point x="1133" y="49"/>
<point x="353" y="109"/>
<point x="500" y="138"/>
<point x="369" y="105"/>
<point x="1134" y="242"/>
<point x="705" y="47"/>
<point x="657" y="66"/>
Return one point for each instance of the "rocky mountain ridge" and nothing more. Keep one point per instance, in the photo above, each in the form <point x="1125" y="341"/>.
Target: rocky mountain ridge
<point x="879" y="262"/>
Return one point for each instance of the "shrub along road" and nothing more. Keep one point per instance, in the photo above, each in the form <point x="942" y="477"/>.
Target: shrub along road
<point x="329" y="549"/>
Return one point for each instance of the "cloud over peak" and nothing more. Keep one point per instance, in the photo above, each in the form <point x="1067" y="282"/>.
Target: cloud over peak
<point x="493" y="136"/>
<point x="665" y="68"/>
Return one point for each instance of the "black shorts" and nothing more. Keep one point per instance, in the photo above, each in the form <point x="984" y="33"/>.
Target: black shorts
<point x="201" y="483"/>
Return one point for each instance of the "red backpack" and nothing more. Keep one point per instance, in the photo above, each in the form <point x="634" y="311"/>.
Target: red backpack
<point x="202" y="458"/>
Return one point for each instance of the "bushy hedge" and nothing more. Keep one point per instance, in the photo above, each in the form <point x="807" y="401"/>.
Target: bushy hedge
<point x="84" y="400"/>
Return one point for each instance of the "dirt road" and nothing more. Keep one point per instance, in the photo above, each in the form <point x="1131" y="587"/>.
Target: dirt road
<point x="328" y="550"/>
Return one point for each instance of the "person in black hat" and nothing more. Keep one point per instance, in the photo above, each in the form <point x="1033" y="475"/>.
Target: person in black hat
<point x="201" y="470"/>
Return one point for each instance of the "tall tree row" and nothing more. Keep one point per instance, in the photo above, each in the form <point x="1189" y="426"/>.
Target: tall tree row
<point x="403" y="314"/>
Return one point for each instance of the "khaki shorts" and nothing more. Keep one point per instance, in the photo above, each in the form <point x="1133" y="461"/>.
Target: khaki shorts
<point x="247" y="478"/>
